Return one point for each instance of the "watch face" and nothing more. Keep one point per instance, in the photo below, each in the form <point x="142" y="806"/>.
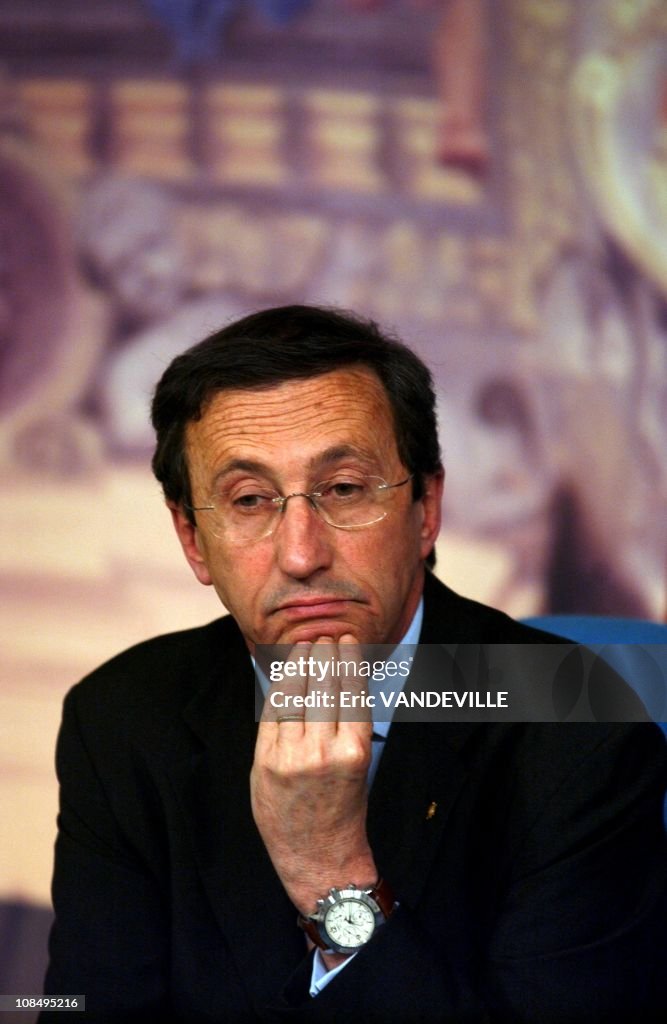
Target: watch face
<point x="349" y="923"/>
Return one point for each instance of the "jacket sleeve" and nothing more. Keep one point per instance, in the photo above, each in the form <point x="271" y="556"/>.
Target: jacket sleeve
<point x="109" y="941"/>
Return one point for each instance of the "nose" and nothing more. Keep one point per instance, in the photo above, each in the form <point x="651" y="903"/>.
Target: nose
<point x="303" y="541"/>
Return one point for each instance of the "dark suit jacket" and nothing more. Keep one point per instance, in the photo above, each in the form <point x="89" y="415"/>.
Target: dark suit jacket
<point x="536" y="892"/>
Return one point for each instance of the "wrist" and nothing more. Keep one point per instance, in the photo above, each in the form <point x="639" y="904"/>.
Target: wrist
<point x="308" y="889"/>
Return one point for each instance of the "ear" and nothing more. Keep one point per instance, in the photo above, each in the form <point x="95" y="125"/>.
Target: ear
<point x="431" y="501"/>
<point x="189" y="538"/>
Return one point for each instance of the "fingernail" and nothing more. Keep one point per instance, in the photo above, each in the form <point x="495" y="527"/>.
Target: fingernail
<point x="347" y="638"/>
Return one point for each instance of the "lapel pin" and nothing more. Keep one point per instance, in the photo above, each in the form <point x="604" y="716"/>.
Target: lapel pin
<point x="431" y="809"/>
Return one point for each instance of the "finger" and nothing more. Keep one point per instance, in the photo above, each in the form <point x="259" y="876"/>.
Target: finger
<point x="355" y="705"/>
<point x="323" y="685"/>
<point x="284" y="704"/>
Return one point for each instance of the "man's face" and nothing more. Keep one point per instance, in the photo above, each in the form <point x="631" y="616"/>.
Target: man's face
<point x="309" y="579"/>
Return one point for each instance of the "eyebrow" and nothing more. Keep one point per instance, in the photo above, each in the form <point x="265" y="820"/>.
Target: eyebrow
<point x="342" y="451"/>
<point x="323" y="459"/>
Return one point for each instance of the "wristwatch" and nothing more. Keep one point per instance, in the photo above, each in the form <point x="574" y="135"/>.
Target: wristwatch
<point x="347" y="918"/>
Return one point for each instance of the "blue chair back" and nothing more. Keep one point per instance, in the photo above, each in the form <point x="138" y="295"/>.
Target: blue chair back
<point x="622" y="643"/>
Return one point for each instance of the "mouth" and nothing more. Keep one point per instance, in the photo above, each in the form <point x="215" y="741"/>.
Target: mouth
<point x="313" y="608"/>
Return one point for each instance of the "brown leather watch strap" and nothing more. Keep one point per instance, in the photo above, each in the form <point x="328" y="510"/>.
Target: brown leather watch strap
<point x="310" y="928"/>
<point x="381" y="893"/>
<point x="383" y="896"/>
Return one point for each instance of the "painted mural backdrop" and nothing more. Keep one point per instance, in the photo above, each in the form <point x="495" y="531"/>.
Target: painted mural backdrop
<point x="487" y="178"/>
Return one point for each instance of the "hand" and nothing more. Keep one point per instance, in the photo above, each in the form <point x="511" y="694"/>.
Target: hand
<point x="308" y="785"/>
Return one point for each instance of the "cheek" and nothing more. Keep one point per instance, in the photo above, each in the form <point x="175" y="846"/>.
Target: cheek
<point x="239" y="577"/>
<point x="403" y="533"/>
<point x="385" y="552"/>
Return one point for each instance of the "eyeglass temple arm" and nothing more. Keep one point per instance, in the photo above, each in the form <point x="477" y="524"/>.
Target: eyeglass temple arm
<point x="401" y="483"/>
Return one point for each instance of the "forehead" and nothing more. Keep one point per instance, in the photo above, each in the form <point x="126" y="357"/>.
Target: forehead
<point x="291" y="423"/>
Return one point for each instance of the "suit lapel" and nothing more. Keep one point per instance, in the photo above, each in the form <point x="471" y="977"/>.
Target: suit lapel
<point x="247" y="898"/>
<point x="418" y="781"/>
<point x="421" y="772"/>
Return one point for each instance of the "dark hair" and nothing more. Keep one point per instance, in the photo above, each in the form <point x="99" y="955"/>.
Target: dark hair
<point x="290" y="343"/>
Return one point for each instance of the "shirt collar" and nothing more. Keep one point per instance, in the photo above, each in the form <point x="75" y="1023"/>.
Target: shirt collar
<point x="411" y="638"/>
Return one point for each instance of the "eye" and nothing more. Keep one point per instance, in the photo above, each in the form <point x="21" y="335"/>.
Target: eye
<point x="250" y="502"/>
<point x="342" y="490"/>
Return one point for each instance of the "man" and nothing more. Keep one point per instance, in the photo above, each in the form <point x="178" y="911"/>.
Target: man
<point x="499" y="872"/>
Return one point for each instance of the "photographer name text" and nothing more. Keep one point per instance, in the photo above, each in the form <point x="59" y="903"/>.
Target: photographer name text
<point x="281" y="700"/>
